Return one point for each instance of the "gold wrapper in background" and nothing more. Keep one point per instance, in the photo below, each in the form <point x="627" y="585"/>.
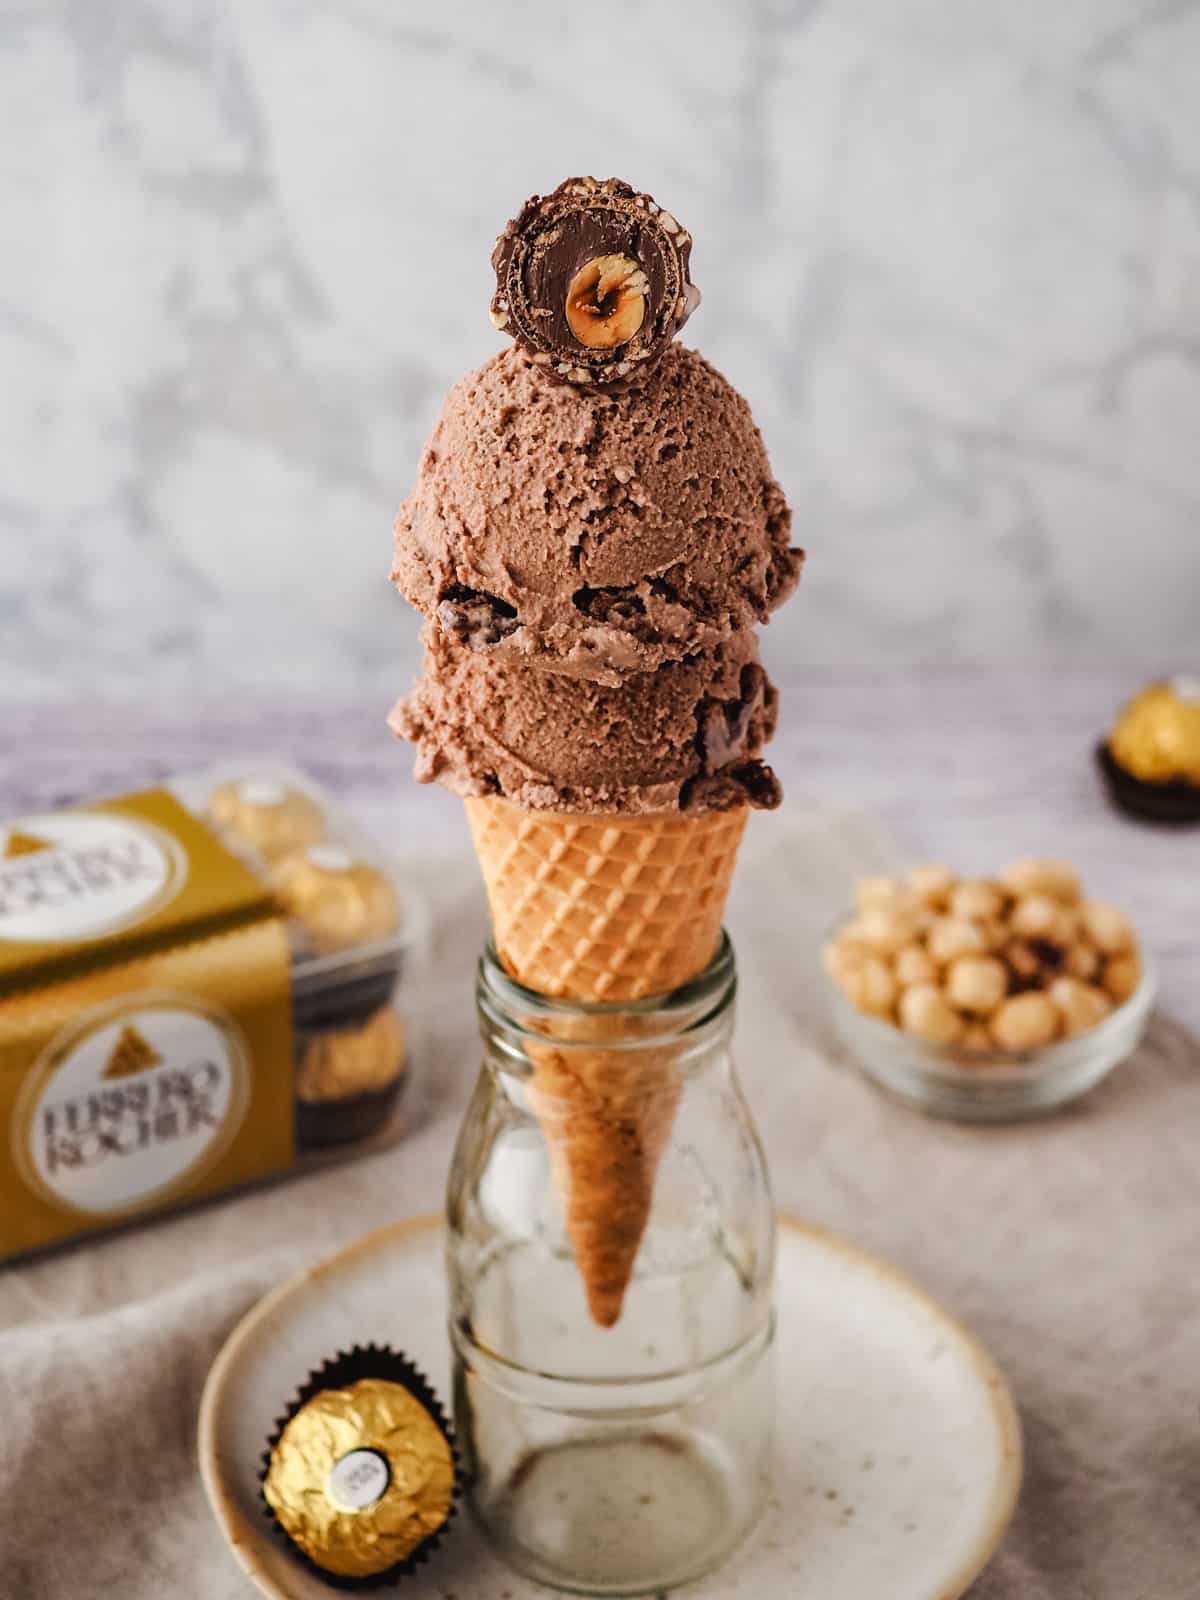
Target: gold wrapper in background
<point x="266" y="816"/>
<point x="338" y="901"/>
<point x="339" y="1063"/>
<point x="377" y="1415"/>
<point x="1157" y="736"/>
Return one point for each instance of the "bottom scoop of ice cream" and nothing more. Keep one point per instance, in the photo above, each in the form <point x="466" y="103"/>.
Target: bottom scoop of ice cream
<point x="686" y="737"/>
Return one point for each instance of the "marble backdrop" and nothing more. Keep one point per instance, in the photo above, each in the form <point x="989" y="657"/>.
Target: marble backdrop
<point x="949" y="248"/>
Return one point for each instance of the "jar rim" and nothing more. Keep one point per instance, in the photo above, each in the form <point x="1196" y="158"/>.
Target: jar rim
<point x="656" y="1019"/>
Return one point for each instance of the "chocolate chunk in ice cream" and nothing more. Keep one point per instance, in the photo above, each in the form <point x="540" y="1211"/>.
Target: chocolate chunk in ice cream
<point x="592" y="282"/>
<point x="729" y="732"/>
<point x="724" y="726"/>
<point x="474" y="618"/>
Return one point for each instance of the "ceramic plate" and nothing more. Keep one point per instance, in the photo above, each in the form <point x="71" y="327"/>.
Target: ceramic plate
<point x="899" y="1450"/>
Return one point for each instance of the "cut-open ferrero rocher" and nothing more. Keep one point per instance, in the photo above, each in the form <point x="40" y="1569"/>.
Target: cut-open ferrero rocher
<point x="606" y="302"/>
<point x="592" y="282"/>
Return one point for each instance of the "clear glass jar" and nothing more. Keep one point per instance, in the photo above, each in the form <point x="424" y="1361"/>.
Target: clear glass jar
<point x="622" y="1458"/>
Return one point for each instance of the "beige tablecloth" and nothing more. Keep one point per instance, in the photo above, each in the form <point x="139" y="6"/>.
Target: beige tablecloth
<point x="1072" y="1246"/>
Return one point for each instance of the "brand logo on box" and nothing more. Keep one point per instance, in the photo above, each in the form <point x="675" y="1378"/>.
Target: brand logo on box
<point x="131" y="1103"/>
<point x="83" y="874"/>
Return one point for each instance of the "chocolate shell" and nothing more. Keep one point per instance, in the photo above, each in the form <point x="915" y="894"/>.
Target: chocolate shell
<point x="592" y="282"/>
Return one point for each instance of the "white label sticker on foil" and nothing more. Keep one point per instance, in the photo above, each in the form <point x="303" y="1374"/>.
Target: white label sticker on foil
<point x="358" y="1479"/>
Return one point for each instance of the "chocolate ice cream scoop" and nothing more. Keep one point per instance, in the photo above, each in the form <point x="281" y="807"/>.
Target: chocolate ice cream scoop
<point x="592" y="282"/>
<point x="595" y="534"/>
<point x="686" y="737"/>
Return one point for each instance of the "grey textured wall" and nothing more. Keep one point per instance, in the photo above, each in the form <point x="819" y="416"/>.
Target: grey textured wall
<point x="950" y="250"/>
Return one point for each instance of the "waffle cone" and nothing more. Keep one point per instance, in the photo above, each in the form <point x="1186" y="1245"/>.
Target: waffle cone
<point x="606" y="909"/>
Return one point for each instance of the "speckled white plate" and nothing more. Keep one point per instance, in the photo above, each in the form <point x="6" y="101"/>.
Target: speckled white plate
<point x="899" y="1454"/>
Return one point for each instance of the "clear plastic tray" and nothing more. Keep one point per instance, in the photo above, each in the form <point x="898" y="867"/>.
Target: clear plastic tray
<point x="342" y="979"/>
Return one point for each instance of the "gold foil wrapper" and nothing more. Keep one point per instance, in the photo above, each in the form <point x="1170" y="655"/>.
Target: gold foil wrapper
<point x="1157" y="736"/>
<point x="338" y="901"/>
<point x="266" y="816"/>
<point x="339" y="1063"/>
<point x="361" y="1477"/>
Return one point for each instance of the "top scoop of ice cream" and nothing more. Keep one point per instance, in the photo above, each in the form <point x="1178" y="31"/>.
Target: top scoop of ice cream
<point x="595" y="534"/>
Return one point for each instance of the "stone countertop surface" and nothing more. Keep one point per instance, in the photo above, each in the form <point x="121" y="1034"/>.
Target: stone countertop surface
<point x="1070" y="1245"/>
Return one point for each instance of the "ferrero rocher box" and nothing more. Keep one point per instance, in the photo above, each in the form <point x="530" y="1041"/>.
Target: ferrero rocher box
<point x="193" y="987"/>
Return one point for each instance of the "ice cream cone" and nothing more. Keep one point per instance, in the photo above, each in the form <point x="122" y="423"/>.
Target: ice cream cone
<point x="604" y="908"/>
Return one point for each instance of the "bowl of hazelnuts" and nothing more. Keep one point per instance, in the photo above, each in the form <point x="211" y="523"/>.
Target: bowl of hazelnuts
<point x="987" y="998"/>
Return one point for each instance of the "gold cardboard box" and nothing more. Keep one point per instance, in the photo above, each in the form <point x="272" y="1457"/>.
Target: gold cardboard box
<point x="152" y="1013"/>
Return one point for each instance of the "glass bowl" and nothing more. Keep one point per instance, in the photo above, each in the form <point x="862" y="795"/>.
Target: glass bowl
<point x="991" y="1085"/>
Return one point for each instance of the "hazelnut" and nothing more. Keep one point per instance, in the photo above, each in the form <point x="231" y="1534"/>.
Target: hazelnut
<point x="1067" y="927"/>
<point x="995" y="933"/>
<point x="1035" y="917"/>
<point x="1022" y="963"/>
<point x="1025" y="1021"/>
<point x="1057" y="879"/>
<point x="976" y="984"/>
<point x="951" y="937"/>
<point x="1033" y="962"/>
<point x="1109" y="930"/>
<point x="924" y="1012"/>
<point x="1080" y="1005"/>
<point x="862" y="977"/>
<point x="606" y="302"/>
<point x="911" y="964"/>
<point x="977" y="901"/>
<point x="932" y="883"/>
<point x="975" y="1036"/>
<point x="882" y="928"/>
<point x="1121" y="976"/>
<point x="1083" y="960"/>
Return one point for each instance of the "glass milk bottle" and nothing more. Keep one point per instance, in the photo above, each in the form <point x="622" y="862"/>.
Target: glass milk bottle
<point x="615" y="1424"/>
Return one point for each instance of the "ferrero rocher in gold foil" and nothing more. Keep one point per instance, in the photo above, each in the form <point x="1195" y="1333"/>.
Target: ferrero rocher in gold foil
<point x="261" y="814"/>
<point x="361" y="1477"/>
<point x="339" y="902"/>
<point x="1157" y="736"/>
<point x="339" y="1063"/>
<point x="1151" y="760"/>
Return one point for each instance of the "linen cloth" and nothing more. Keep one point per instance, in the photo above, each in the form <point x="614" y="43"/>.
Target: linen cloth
<point x="1071" y="1246"/>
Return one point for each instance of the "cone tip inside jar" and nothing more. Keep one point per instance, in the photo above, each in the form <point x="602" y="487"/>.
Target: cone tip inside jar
<point x="592" y="282"/>
<point x="360" y="1476"/>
